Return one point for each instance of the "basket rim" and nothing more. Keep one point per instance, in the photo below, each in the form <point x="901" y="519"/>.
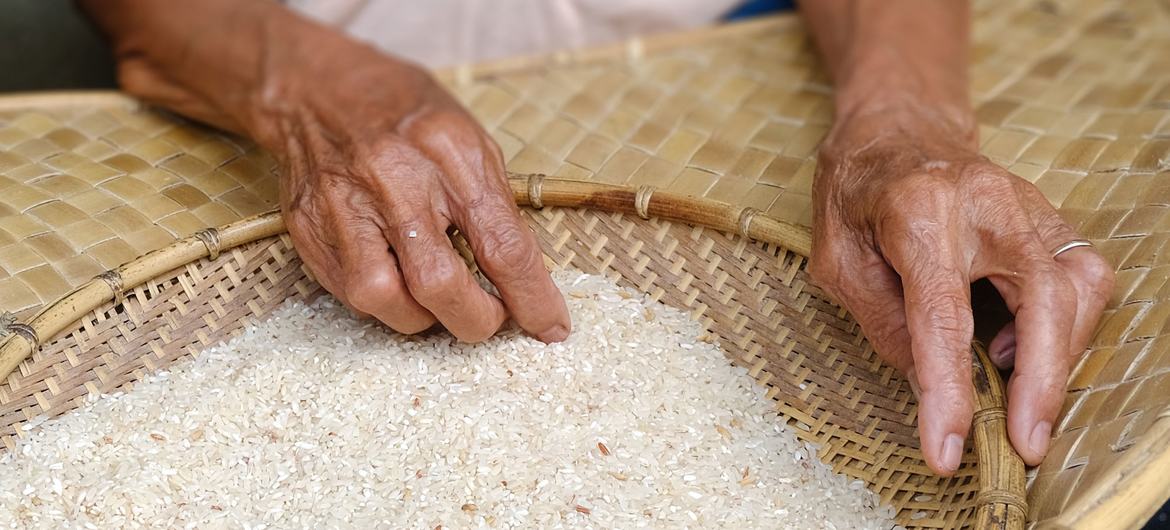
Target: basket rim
<point x="1001" y="489"/>
<point x="62" y="99"/>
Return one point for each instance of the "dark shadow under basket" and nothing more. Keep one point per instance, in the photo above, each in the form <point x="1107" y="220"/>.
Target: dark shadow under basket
<point x="741" y="274"/>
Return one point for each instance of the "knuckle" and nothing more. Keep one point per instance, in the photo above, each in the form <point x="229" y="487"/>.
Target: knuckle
<point x="1053" y="230"/>
<point x="1099" y="272"/>
<point x="303" y="218"/>
<point x="827" y="266"/>
<point x="1050" y="227"/>
<point x="437" y="283"/>
<point x="1050" y="382"/>
<point x="914" y="211"/>
<point x="507" y="250"/>
<point x="135" y="77"/>
<point x="948" y="313"/>
<point x="1052" y="283"/>
<point x="992" y="179"/>
<point x="391" y="156"/>
<point x="950" y="389"/>
<point x="886" y="338"/>
<point x="298" y="225"/>
<point x="386" y="152"/>
<point x="370" y="291"/>
<point x="437" y="126"/>
<point x="391" y="146"/>
<point x="923" y="186"/>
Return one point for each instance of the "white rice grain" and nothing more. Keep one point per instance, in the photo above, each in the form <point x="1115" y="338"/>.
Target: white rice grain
<point x="315" y="420"/>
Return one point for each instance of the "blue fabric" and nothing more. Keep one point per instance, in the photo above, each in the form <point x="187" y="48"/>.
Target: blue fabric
<point x="752" y="8"/>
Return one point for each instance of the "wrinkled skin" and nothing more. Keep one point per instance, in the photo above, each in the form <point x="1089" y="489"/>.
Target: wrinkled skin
<point x="363" y="178"/>
<point x="378" y="163"/>
<point x="907" y="216"/>
<point x="907" y="213"/>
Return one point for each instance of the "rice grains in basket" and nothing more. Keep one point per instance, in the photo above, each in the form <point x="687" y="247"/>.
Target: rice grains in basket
<point x="315" y="420"/>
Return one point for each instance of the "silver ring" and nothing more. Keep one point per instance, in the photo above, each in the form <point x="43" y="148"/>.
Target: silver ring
<point x="1071" y="245"/>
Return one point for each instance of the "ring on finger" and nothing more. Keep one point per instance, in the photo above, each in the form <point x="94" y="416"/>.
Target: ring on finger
<point x="1076" y="243"/>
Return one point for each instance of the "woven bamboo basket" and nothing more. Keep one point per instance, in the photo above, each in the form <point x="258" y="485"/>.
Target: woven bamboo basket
<point x="739" y="272"/>
<point x="700" y="149"/>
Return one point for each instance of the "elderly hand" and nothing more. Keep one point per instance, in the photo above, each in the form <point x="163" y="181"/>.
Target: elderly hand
<point x="907" y="216"/>
<point x="379" y="163"/>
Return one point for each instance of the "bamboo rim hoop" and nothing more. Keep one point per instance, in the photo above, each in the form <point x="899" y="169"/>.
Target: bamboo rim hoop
<point x="1001" y="498"/>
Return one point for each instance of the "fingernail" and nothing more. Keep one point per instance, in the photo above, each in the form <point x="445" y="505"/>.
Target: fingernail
<point x="952" y="452"/>
<point x="1041" y="435"/>
<point x="556" y="333"/>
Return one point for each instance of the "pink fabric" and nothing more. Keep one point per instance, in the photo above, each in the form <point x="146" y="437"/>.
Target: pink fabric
<point x="441" y="33"/>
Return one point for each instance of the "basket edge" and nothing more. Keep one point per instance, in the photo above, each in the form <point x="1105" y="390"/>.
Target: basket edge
<point x="58" y="99"/>
<point x="633" y="48"/>
<point x="537" y="191"/>
<point x="630" y="49"/>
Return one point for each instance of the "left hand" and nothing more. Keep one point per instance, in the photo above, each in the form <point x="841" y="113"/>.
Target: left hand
<point x="379" y="161"/>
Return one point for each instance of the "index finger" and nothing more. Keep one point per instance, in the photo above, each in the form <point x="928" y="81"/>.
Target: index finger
<point x="506" y="250"/>
<point x="504" y="246"/>
<point x="938" y="315"/>
<point x="439" y="280"/>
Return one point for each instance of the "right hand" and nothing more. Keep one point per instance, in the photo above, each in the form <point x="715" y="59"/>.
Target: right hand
<point x="378" y="163"/>
<point x="908" y="215"/>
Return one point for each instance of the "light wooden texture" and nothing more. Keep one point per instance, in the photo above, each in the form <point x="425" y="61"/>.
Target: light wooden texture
<point x="89" y="181"/>
<point x="1072" y="95"/>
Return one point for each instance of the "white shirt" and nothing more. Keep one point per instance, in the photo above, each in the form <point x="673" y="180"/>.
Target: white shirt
<point x="440" y="33"/>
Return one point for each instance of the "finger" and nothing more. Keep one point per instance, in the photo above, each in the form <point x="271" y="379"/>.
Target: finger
<point x="1044" y="320"/>
<point x="1092" y="277"/>
<point x="373" y="284"/>
<point x="1070" y="300"/>
<point x="506" y="250"/>
<point x="1018" y="261"/>
<point x="938" y="316"/>
<point x="869" y="289"/>
<point x="1090" y="274"/>
<point x="482" y="207"/>
<point x="414" y="215"/>
<point x="141" y="78"/>
<point x="440" y="281"/>
<point x="1002" y="349"/>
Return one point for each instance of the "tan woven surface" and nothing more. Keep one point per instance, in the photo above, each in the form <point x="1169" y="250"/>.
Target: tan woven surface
<point x="1072" y="95"/>
<point x="86" y="188"/>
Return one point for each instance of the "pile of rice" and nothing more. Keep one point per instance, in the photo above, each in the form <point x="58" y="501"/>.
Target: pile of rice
<point x="316" y="420"/>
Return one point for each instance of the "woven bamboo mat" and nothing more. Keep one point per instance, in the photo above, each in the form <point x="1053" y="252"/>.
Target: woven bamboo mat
<point x="1072" y="95"/>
